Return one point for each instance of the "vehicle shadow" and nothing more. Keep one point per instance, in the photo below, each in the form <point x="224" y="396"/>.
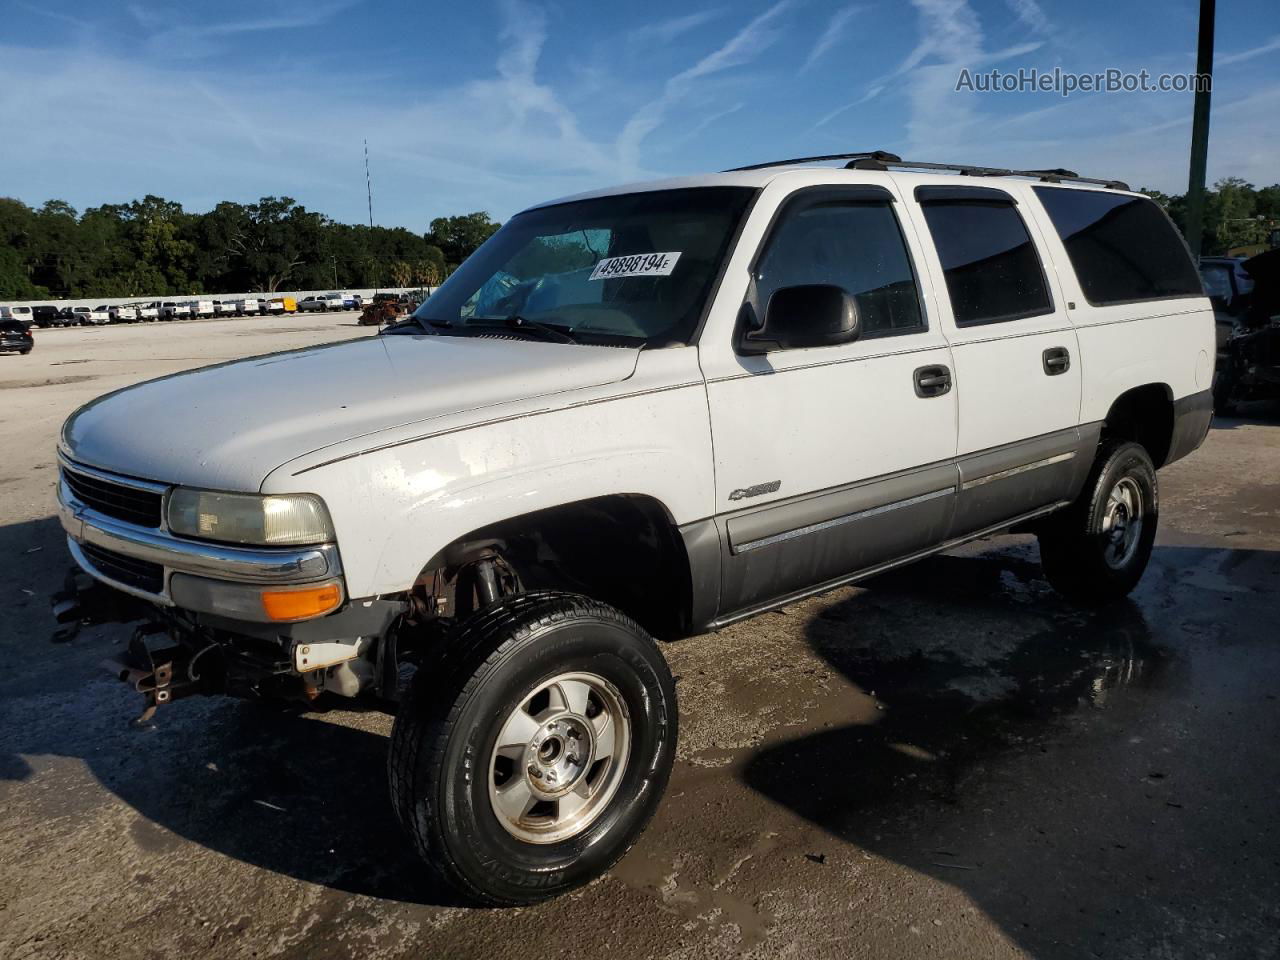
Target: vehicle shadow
<point x="1248" y="411"/>
<point x="985" y="770"/>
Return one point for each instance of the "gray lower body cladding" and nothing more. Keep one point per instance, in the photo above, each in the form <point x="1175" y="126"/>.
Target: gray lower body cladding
<point x="775" y="550"/>
<point x="1191" y="418"/>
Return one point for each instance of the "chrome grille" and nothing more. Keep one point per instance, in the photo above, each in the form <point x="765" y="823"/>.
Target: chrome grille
<point x="130" y="504"/>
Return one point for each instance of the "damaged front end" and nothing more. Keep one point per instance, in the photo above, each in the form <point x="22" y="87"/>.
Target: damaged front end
<point x="264" y="622"/>
<point x="172" y="653"/>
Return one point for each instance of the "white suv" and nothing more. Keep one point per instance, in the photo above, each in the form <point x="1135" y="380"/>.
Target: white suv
<point x="647" y="411"/>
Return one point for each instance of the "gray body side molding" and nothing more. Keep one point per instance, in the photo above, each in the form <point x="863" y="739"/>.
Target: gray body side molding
<point x="774" y="552"/>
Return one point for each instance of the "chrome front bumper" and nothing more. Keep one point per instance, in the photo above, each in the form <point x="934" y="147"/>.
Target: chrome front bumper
<point x="214" y="578"/>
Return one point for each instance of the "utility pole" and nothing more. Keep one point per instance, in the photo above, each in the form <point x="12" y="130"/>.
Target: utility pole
<point x="1200" y="128"/>
<point x="368" y="186"/>
<point x="369" y="183"/>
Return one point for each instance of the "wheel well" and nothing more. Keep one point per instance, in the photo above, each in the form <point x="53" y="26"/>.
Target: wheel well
<point x="624" y="550"/>
<point x="1145" y="416"/>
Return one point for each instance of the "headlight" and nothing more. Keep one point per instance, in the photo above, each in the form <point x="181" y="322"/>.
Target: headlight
<point x="271" y="520"/>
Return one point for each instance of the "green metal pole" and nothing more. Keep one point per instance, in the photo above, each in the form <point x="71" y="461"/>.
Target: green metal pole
<point x="1200" y="129"/>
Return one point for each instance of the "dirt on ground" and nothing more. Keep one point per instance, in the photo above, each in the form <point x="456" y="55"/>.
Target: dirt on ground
<point x="948" y="760"/>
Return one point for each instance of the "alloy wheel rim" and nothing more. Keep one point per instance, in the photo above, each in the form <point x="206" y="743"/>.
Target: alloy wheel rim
<point x="559" y="758"/>
<point x="1122" y="523"/>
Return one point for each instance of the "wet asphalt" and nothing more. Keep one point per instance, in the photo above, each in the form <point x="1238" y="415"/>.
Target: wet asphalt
<point x="946" y="761"/>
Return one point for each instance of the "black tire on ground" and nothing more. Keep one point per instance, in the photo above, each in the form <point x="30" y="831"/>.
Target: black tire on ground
<point x="1090" y="552"/>
<point x="445" y="772"/>
<point x="24" y="351"/>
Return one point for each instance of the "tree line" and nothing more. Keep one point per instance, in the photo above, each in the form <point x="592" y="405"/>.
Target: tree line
<point x="153" y="247"/>
<point x="1236" y="214"/>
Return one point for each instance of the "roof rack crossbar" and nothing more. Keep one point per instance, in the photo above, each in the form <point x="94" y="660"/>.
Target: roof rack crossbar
<point x="882" y="155"/>
<point x="883" y="160"/>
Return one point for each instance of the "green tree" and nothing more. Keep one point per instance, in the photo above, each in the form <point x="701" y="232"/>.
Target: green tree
<point x="458" y="237"/>
<point x="276" y="240"/>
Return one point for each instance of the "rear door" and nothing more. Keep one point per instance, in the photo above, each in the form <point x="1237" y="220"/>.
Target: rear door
<point x="831" y="460"/>
<point x="1017" y="369"/>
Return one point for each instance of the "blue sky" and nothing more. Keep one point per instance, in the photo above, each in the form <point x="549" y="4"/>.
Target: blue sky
<point x="497" y="104"/>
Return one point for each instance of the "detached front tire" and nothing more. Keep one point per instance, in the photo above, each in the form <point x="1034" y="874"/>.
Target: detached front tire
<point x="1096" y="550"/>
<point x="530" y="757"/>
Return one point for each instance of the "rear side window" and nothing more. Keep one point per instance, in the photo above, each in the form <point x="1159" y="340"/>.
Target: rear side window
<point x="848" y="240"/>
<point x="1122" y="248"/>
<point x="992" y="269"/>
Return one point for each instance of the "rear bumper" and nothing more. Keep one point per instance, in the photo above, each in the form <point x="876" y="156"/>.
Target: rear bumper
<point x="1191" y="418"/>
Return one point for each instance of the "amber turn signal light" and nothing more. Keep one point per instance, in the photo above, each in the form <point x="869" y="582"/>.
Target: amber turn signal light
<point x="301" y="604"/>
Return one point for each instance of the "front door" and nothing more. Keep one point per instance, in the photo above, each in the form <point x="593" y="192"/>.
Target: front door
<point x="834" y="459"/>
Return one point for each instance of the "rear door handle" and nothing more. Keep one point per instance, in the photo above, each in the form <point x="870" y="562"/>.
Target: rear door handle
<point x="931" y="381"/>
<point x="1056" y="360"/>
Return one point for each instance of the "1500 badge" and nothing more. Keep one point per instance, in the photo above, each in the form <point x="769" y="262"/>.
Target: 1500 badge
<point x="760" y="488"/>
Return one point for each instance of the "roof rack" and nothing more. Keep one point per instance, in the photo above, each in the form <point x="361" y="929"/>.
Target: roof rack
<point x="883" y="160"/>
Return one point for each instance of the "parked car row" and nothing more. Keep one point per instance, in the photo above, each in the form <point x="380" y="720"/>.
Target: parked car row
<point x="331" y="301"/>
<point x="48" y="315"/>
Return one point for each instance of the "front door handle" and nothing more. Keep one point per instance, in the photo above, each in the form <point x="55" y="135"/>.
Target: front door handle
<point x="931" y="381"/>
<point x="1056" y="360"/>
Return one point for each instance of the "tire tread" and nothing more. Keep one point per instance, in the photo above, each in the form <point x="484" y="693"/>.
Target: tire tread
<point x="429" y="713"/>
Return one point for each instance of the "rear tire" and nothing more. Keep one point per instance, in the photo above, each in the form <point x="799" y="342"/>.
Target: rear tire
<point x="1095" y="551"/>
<point x="539" y="695"/>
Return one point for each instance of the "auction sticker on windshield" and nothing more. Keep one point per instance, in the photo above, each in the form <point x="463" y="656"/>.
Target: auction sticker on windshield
<point x="637" y="265"/>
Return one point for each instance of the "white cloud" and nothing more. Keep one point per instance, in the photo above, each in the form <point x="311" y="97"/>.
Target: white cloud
<point x="743" y="47"/>
<point x="664" y="31"/>
<point x="171" y="35"/>
<point x="1269" y="47"/>
<point x="203" y="135"/>
<point x="1030" y="15"/>
<point x="831" y="35"/>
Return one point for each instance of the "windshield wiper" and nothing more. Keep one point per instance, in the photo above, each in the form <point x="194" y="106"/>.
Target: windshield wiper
<point x="517" y="322"/>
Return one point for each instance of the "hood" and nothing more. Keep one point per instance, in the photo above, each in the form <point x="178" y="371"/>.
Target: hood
<point x="227" y="426"/>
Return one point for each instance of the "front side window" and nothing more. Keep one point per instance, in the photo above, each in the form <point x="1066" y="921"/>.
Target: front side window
<point x="847" y="242"/>
<point x="992" y="270"/>
<point x="1122" y="248"/>
<point x="631" y="268"/>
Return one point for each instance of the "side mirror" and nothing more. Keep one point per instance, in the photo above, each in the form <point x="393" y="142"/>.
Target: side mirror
<point x="813" y="315"/>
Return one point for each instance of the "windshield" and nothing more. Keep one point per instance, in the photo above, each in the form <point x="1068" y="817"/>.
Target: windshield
<point x="633" y="268"/>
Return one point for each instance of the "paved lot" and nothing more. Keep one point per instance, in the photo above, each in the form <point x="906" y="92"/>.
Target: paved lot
<point x="947" y="762"/>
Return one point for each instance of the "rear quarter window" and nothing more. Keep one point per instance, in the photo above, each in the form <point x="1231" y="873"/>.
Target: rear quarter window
<point x="1123" y="249"/>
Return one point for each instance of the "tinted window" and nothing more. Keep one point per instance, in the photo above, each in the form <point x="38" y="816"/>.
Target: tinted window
<point x="992" y="269"/>
<point x="1122" y="248"/>
<point x="852" y="244"/>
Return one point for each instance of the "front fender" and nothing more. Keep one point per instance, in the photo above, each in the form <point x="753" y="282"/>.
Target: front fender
<point x="395" y="508"/>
